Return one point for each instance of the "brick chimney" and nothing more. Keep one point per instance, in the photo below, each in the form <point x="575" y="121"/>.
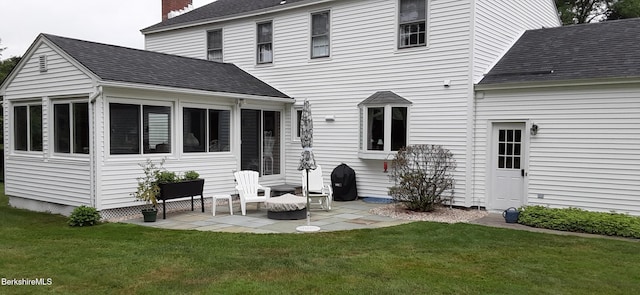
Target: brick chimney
<point x="173" y="5"/>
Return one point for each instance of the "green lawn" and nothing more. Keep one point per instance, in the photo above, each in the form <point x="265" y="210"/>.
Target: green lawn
<point x="418" y="258"/>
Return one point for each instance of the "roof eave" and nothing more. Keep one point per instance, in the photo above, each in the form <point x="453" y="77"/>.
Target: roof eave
<point x="140" y="86"/>
<point x="274" y="9"/>
<point x="559" y="83"/>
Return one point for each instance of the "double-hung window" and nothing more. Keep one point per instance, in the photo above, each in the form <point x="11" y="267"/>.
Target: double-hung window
<point x="384" y="123"/>
<point x="320" y="34"/>
<point x="71" y="128"/>
<point x="265" y="43"/>
<point x="27" y="127"/>
<point x="413" y="23"/>
<point x="206" y="130"/>
<point x="136" y="129"/>
<point x="214" y="45"/>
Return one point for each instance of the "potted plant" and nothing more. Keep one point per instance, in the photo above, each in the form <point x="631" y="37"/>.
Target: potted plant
<point x="161" y="184"/>
<point x="148" y="190"/>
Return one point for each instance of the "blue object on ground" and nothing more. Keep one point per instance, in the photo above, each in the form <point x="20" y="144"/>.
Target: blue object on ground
<point x="375" y="200"/>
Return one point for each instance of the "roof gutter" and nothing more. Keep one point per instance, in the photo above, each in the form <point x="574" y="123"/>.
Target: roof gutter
<point x="196" y="91"/>
<point x="565" y="83"/>
<point x="273" y="9"/>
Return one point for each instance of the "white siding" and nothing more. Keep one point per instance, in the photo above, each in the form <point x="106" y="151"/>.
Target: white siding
<point x="118" y="173"/>
<point x="61" y="78"/>
<point x="58" y="181"/>
<point x="41" y="175"/>
<point x="364" y="59"/>
<point x="587" y="150"/>
<point x="498" y="24"/>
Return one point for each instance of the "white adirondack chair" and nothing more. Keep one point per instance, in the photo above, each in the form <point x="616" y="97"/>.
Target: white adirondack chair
<point x="319" y="193"/>
<point x="248" y="187"/>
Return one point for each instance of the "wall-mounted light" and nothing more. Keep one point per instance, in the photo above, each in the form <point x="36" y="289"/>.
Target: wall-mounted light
<point x="534" y="129"/>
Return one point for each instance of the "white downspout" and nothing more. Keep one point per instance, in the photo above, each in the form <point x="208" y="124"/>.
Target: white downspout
<point x="93" y="147"/>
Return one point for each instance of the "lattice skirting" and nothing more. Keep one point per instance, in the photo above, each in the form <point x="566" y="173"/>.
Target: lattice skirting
<point x="126" y="213"/>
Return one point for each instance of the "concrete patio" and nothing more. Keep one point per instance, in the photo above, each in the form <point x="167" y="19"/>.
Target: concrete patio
<point x="343" y="216"/>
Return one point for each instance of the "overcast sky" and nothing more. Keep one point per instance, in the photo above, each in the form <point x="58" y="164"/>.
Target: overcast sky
<point x="115" y="22"/>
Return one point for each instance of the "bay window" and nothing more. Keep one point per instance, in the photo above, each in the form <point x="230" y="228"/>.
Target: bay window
<point x="384" y="118"/>
<point x="386" y="128"/>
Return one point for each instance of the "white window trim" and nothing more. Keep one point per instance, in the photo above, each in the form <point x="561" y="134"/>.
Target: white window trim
<point x="426" y="29"/>
<point x="294" y="123"/>
<point x="51" y="123"/>
<point x="364" y="152"/>
<point x="262" y="109"/>
<point x="12" y="126"/>
<point x="256" y="52"/>
<point x="141" y="154"/>
<point x="329" y="34"/>
<point x="206" y="107"/>
<point x="206" y="38"/>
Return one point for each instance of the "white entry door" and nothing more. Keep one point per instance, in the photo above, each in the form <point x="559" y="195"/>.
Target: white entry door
<point x="508" y="165"/>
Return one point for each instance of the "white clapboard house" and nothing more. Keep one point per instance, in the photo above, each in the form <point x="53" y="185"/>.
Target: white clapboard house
<point x="220" y="88"/>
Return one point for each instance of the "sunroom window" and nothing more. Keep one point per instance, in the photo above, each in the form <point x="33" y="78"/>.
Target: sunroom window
<point x="128" y="122"/>
<point x="413" y="23"/>
<point x="206" y="130"/>
<point x="27" y="127"/>
<point x="384" y="119"/>
<point x="71" y="128"/>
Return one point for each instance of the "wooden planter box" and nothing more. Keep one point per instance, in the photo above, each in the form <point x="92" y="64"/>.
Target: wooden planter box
<point x="181" y="189"/>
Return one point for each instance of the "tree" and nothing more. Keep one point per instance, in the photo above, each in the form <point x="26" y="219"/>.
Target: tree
<point x="7" y="65"/>
<point x="1" y="48"/>
<point x="586" y="11"/>
<point x="624" y="9"/>
<point x="582" y="11"/>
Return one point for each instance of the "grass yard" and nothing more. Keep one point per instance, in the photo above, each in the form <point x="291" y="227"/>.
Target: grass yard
<point x="418" y="258"/>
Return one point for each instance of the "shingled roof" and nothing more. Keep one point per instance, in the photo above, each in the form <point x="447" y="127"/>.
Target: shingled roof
<point x="224" y="9"/>
<point x="121" y="64"/>
<point x="606" y="50"/>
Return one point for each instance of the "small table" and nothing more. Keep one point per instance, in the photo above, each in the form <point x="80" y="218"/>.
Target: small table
<point x="279" y="190"/>
<point x="286" y="207"/>
<point x="215" y="203"/>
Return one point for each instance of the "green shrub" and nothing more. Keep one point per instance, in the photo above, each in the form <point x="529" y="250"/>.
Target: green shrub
<point x="423" y="177"/>
<point x="84" y="216"/>
<point x="191" y="175"/>
<point x="578" y="220"/>
<point x="166" y="177"/>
